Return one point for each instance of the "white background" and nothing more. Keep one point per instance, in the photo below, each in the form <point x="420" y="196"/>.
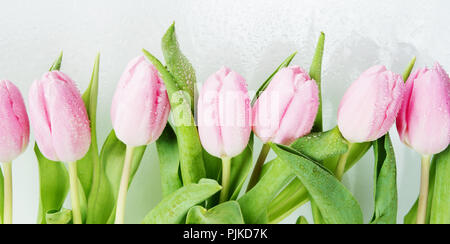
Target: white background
<point x="251" y="37"/>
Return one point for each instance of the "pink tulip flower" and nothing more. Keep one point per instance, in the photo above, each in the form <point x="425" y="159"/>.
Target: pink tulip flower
<point x="59" y="118"/>
<point x="287" y="108"/>
<point x="370" y="106"/>
<point x="14" y="125"/>
<point x="424" y="119"/>
<point x="140" y="106"/>
<point x="224" y="114"/>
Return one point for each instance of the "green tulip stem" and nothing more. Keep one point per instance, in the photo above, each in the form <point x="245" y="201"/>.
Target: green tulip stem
<point x="74" y="193"/>
<point x="340" y="168"/>
<point x="7" y="217"/>
<point x="258" y="166"/>
<point x="423" y="196"/>
<point x="123" y="189"/>
<point x="226" y="165"/>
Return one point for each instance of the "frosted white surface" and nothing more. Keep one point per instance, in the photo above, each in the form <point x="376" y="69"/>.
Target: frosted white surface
<point x="251" y="37"/>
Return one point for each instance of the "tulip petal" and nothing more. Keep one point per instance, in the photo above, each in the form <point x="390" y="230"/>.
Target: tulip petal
<point x="69" y="122"/>
<point x="13" y="121"/>
<point x="140" y="106"/>
<point x="271" y="105"/>
<point x="208" y="114"/>
<point x="234" y="107"/>
<point x="424" y="123"/>
<point x="40" y="120"/>
<point x="371" y="104"/>
<point x="299" y="118"/>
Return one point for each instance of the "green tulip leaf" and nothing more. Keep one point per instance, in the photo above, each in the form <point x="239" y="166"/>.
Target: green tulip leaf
<point x="411" y="216"/>
<point x="90" y="169"/>
<point x="440" y="206"/>
<point x="2" y="195"/>
<point x="189" y="146"/>
<point x="266" y="83"/>
<point x="315" y="72"/>
<point x="213" y="168"/>
<point x="357" y="151"/>
<point x="57" y="64"/>
<point x="254" y="203"/>
<point x="169" y="163"/>
<point x="385" y="182"/>
<point x="295" y="195"/>
<point x="90" y="163"/>
<point x="53" y="176"/>
<point x="173" y="208"/>
<point x="224" y="213"/>
<point x="59" y="217"/>
<point x="112" y="157"/>
<point x="321" y="145"/>
<point x="317" y="146"/>
<point x="335" y="202"/>
<point x="302" y="221"/>
<point x="177" y="64"/>
<point x="241" y="166"/>
<point x="408" y="70"/>
<point x="53" y="184"/>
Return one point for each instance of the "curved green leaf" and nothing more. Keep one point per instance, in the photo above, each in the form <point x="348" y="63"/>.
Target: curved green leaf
<point x="295" y="195"/>
<point x="112" y="157"/>
<point x="189" y="146"/>
<point x="254" y="203"/>
<point x="53" y="184"/>
<point x="385" y="182"/>
<point x="169" y="163"/>
<point x="322" y="145"/>
<point x="411" y="216"/>
<point x="318" y="146"/>
<point x="224" y="213"/>
<point x="173" y="208"/>
<point x="213" y="168"/>
<point x="89" y="165"/>
<point x="178" y="65"/>
<point x="59" y="217"/>
<point x="57" y="64"/>
<point x="335" y="202"/>
<point x="302" y="221"/>
<point x="409" y="69"/>
<point x="240" y="168"/>
<point x="440" y="207"/>
<point x="357" y="151"/>
<point x="315" y="72"/>
<point x="91" y="170"/>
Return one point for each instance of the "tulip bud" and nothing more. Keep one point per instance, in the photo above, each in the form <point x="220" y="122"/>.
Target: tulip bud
<point x="140" y="106"/>
<point x="15" y="128"/>
<point x="224" y="114"/>
<point x="371" y="104"/>
<point x="59" y="118"/>
<point x="287" y="108"/>
<point x="424" y="119"/>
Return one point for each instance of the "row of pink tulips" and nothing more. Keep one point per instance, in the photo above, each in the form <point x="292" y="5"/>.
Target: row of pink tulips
<point x="284" y="112"/>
